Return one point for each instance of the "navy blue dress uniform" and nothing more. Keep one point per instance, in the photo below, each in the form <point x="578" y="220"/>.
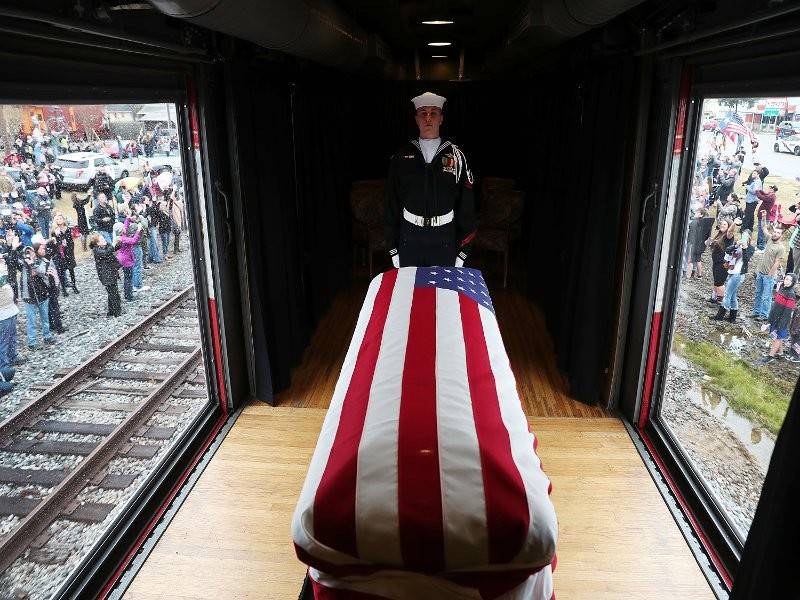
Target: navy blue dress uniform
<point x="429" y="205"/>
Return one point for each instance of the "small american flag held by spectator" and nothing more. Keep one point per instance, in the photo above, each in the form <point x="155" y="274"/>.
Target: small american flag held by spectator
<point x="425" y="481"/>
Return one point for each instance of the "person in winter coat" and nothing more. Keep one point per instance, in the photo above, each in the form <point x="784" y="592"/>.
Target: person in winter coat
<point x="80" y="211"/>
<point x="766" y="204"/>
<point x="64" y="257"/>
<point x="726" y="231"/>
<point x="43" y="207"/>
<point x="780" y="316"/>
<point x="794" y="338"/>
<point x="12" y="249"/>
<point x="164" y="227"/>
<point x="46" y="250"/>
<point x="24" y="231"/>
<point x="107" y="271"/>
<point x="727" y="181"/>
<point x="131" y="232"/>
<point x="176" y="217"/>
<point x="104" y="217"/>
<point x="8" y="321"/>
<point x="752" y="185"/>
<point x="695" y="241"/>
<point x="153" y="218"/>
<point x="33" y="289"/>
<point x="138" y="252"/>
<point x="103" y="184"/>
<point x="730" y="209"/>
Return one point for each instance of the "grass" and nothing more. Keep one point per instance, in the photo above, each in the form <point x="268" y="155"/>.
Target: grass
<point x="751" y="391"/>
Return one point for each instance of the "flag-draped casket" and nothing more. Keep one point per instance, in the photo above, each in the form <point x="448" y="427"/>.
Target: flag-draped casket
<point x="425" y="481"/>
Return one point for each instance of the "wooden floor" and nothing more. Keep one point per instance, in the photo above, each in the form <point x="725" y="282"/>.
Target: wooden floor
<point x="231" y="539"/>
<point x="541" y="387"/>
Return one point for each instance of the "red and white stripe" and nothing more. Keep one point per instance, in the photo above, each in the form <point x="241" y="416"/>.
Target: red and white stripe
<point x="425" y="473"/>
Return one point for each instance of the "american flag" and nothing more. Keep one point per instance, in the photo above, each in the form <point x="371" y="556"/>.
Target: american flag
<point x="732" y="126"/>
<point x="425" y="465"/>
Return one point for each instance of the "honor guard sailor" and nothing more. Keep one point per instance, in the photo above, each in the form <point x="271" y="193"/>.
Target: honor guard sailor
<point x="429" y="210"/>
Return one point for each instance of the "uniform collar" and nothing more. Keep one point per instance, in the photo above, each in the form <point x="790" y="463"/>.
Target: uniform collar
<point x="444" y="144"/>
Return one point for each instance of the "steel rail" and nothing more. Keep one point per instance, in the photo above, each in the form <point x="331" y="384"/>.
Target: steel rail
<point x="14" y="543"/>
<point x="27" y="413"/>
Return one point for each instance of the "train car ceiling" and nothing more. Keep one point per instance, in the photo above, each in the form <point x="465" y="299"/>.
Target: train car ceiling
<point x="497" y="33"/>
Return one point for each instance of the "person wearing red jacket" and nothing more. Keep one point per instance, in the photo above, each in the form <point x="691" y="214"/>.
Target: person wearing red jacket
<point x="768" y="205"/>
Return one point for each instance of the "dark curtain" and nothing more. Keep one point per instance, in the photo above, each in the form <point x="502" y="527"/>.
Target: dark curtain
<point x="326" y="146"/>
<point x="575" y="190"/>
<point x="309" y="133"/>
<point x="280" y="326"/>
<point x="768" y="568"/>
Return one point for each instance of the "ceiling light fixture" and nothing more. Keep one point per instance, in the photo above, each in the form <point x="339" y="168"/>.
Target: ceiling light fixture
<point x="438" y="55"/>
<point x="437" y="22"/>
<point x="439" y="43"/>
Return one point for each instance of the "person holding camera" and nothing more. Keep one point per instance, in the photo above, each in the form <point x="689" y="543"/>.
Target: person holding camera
<point x="107" y="271"/>
<point x="104" y="218"/>
<point x="34" y="292"/>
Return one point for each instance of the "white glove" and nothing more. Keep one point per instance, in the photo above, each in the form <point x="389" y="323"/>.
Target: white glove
<point x="459" y="262"/>
<point x="396" y="261"/>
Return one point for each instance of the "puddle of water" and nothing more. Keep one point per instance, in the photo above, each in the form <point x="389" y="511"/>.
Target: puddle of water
<point x="754" y="438"/>
<point x="732" y="343"/>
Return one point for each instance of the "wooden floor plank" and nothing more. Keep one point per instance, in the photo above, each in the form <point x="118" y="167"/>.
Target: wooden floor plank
<point x="542" y="389"/>
<point x="231" y="539"/>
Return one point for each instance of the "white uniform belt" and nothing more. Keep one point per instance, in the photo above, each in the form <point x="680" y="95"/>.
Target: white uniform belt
<point x="428" y="221"/>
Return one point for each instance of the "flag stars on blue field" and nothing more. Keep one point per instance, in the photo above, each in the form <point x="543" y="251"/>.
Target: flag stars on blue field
<point x="464" y="281"/>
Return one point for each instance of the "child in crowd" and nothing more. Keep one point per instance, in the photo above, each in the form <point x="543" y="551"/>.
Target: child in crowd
<point x="780" y="316"/>
<point x="794" y="342"/>
<point x="107" y="271"/>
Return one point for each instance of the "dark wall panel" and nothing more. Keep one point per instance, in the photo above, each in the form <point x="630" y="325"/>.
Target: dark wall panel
<point x="314" y="131"/>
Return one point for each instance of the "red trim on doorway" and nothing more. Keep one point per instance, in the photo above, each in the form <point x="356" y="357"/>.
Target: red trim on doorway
<point x="217" y="347"/>
<point x="650" y="372"/>
<point x="695" y="524"/>
<point x="683" y="105"/>
<point x="134" y="549"/>
<point x="194" y="122"/>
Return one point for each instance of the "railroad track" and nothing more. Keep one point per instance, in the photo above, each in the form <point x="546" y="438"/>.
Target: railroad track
<point x="141" y="376"/>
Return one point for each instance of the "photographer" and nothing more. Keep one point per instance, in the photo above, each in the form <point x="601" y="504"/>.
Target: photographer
<point x="35" y="293"/>
<point x="104" y="217"/>
<point x="10" y="250"/>
<point x="23" y="230"/>
<point x="103" y="184"/>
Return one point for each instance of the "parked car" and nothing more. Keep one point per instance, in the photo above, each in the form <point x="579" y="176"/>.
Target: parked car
<point x="788" y="144"/>
<point x="79" y="169"/>
<point x="787" y="129"/>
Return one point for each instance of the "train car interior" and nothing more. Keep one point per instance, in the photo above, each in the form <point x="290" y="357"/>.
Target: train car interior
<point x="632" y="173"/>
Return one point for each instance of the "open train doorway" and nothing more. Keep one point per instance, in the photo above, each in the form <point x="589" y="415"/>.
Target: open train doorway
<point x="101" y="352"/>
<point x="727" y="292"/>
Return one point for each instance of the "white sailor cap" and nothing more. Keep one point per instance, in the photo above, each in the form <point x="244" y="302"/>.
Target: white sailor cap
<point x="428" y="99"/>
